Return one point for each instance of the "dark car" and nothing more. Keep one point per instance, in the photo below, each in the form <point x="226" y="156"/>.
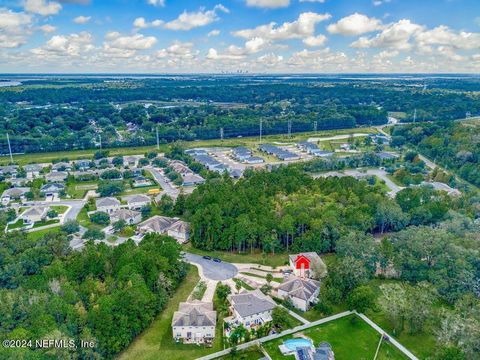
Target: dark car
<point x="206" y="257"/>
<point x="217" y="260"/>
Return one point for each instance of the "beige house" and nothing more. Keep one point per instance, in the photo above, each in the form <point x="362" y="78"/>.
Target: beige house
<point x="136" y="202"/>
<point x="34" y="214"/>
<point x="174" y="227"/>
<point x="16" y="193"/>
<point x="107" y="204"/>
<point x="194" y="322"/>
<point x="131" y="217"/>
<point x="180" y="231"/>
<point x="56" y="176"/>
<point x="302" y="292"/>
<point x="250" y="308"/>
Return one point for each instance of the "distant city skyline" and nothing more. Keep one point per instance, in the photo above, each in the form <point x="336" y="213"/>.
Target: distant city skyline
<point x="255" y="36"/>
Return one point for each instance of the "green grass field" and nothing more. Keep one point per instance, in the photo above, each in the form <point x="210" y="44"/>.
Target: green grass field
<point x="244" y="141"/>
<point x="350" y="337"/>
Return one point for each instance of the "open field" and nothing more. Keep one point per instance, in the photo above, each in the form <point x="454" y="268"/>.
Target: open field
<point x="350" y="337"/>
<point x="230" y="142"/>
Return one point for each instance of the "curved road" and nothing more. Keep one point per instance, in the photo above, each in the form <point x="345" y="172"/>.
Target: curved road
<point x="211" y="269"/>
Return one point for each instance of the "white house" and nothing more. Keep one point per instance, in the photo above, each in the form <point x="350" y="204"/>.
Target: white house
<point x="34" y="214"/>
<point x="302" y="292"/>
<point x="156" y="224"/>
<point x="250" y="308"/>
<point x="52" y="190"/>
<point x="62" y="166"/>
<point x="14" y="194"/>
<point x="131" y="217"/>
<point x="107" y="204"/>
<point x="56" y="176"/>
<point x="32" y="170"/>
<point x="180" y="231"/>
<point x="194" y="322"/>
<point x="136" y="202"/>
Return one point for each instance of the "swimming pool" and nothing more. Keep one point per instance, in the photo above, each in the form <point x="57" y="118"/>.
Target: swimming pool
<point x="293" y="344"/>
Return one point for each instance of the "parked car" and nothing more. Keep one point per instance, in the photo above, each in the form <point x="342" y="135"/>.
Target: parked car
<point x="206" y="257"/>
<point x="217" y="260"/>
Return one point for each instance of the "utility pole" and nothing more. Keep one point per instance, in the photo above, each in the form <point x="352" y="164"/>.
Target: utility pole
<point x="9" y="148"/>
<point x="315" y="126"/>
<point x="221" y="133"/>
<point x="100" y="137"/>
<point x="158" y="141"/>
<point x="261" y="128"/>
<point x="289" y="127"/>
<point x="415" y="115"/>
<point x="468" y="115"/>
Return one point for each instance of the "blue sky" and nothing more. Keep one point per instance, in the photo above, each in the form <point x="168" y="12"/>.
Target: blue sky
<point x="175" y="36"/>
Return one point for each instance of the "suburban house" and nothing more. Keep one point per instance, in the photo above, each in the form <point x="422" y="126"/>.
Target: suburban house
<point x="302" y="292"/>
<point x="141" y="181"/>
<point x="179" y="167"/>
<point x="83" y="165"/>
<point x="304" y="264"/>
<point x="107" y="204"/>
<point x="192" y="179"/>
<point x="250" y="308"/>
<point x="174" y="227"/>
<point x="16" y="193"/>
<point x="156" y="224"/>
<point x="9" y="170"/>
<point x="33" y="170"/>
<point x="180" y="231"/>
<point x="136" y="202"/>
<point x="34" y="214"/>
<point x="131" y="217"/>
<point x="62" y="166"/>
<point x="244" y="155"/>
<point x="194" y="322"/>
<point x="130" y="161"/>
<point x="52" y="190"/>
<point x="56" y="176"/>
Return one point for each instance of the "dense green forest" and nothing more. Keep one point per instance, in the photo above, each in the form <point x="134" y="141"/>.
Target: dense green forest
<point x="66" y="114"/>
<point x="455" y="145"/>
<point x="103" y="294"/>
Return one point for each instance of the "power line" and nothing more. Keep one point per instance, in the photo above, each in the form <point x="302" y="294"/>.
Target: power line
<point x="9" y="148"/>
<point x="158" y="140"/>
<point x="315" y="126"/>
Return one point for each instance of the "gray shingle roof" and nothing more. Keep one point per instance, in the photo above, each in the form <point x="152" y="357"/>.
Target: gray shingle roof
<point x="107" y="201"/>
<point x="195" y="313"/>
<point x="300" y="288"/>
<point x="158" y="224"/>
<point x="251" y="302"/>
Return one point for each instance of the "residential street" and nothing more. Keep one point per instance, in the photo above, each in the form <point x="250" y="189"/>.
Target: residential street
<point x="162" y="181"/>
<point x="75" y="206"/>
<point x="211" y="269"/>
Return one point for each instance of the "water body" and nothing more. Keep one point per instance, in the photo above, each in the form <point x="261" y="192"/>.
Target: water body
<point x="9" y="83"/>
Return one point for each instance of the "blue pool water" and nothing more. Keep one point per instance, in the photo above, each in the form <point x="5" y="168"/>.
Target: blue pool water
<point x="293" y="344"/>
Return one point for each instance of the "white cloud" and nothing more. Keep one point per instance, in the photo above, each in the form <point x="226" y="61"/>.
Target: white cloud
<point x="380" y="2"/>
<point x="134" y="42"/>
<point x="42" y="7"/>
<point x="47" y="28"/>
<point x="313" y="1"/>
<point x="443" y="35"/>
<point x="213" y="33"/>
<point x="270" y="60"/>
<point x="179" y="51"/>
<point x="73" y="45"/>
<point x="141" y="23"/>
<point x="394" y="36"/>
<point x="271" y="4"/>
<point x="355" y="24"/>
<point x="312" y="41"/>
<point x="301" y="28"/>
<point x="190" y="20"/>
<point x="157" y="2"/>
<point x="15" y="27"/>
<point x="82" y="19"/>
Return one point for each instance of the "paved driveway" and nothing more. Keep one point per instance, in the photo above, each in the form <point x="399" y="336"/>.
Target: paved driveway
<point x="211" y="269"/>
<point x="162" y="181"/>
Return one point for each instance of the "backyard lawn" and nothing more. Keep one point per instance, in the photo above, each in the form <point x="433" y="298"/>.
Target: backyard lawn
<point x="156" y="342"/>
<point x="350" y="337"/>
